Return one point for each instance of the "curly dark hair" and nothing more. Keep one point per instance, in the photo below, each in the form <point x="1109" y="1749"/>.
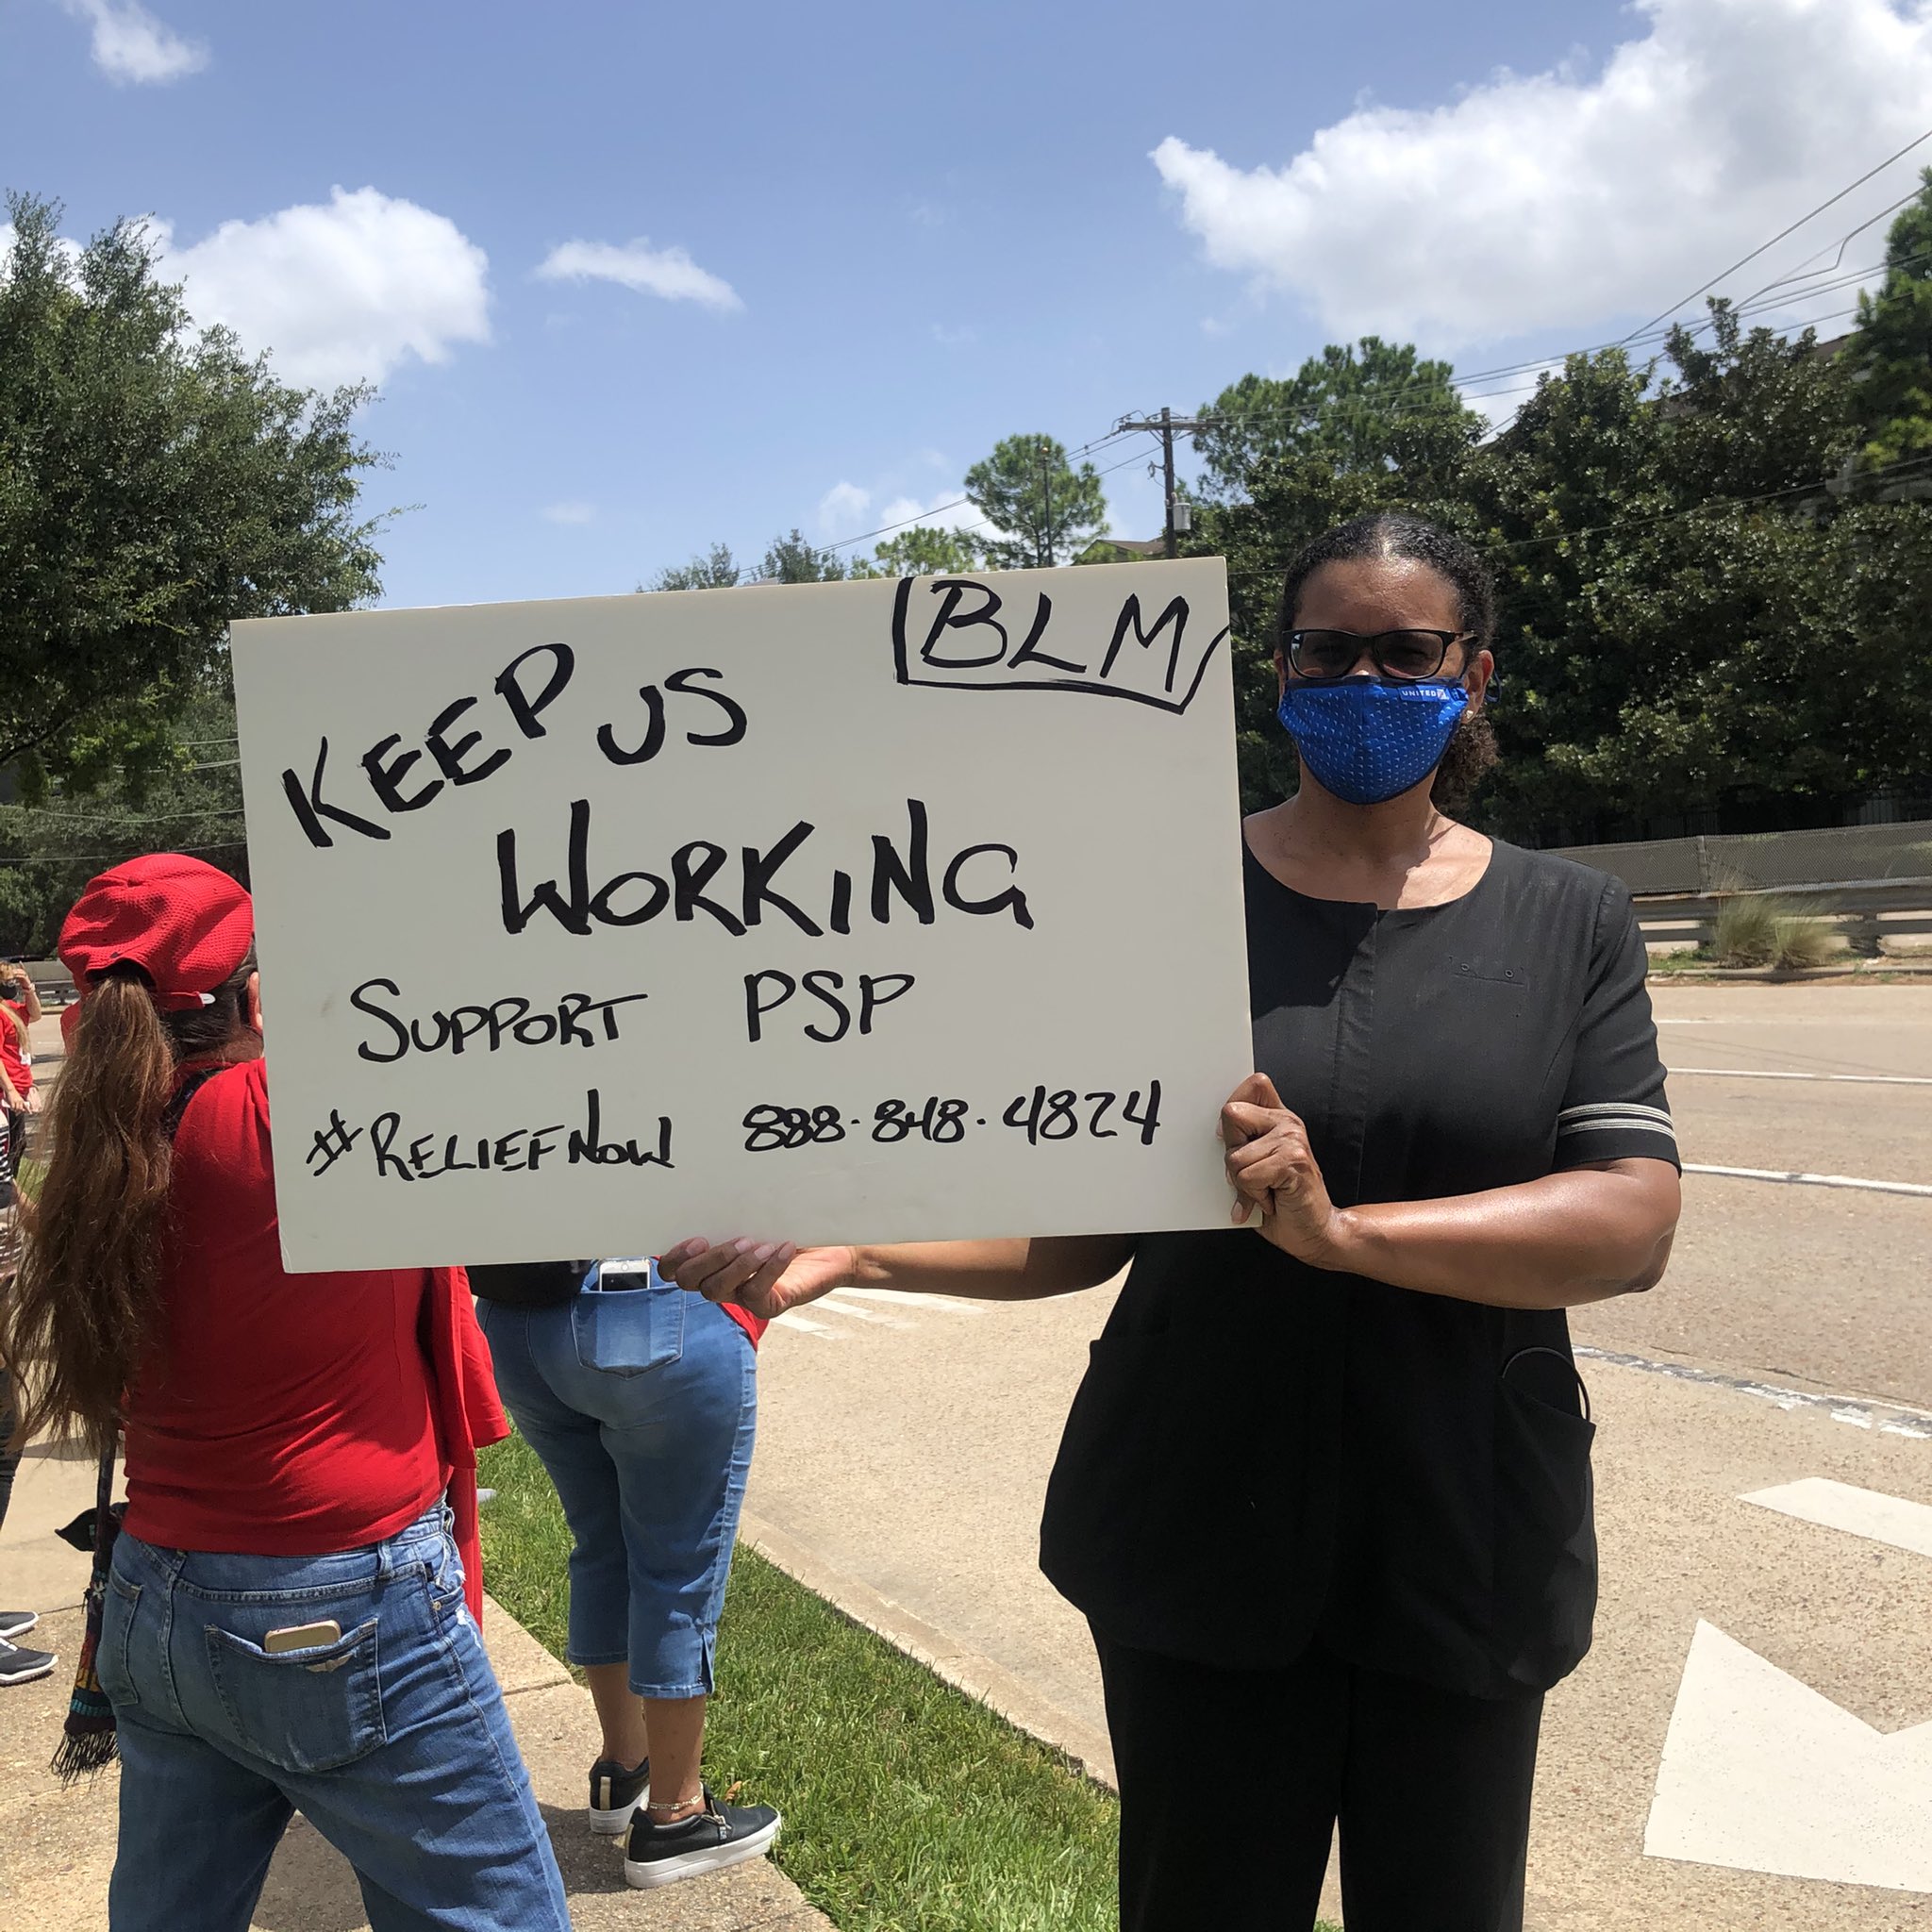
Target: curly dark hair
<point x="1411" y="540"/>
<point x="1414" y="539"/>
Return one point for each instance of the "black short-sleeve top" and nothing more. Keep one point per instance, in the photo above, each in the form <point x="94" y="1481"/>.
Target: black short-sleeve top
<point x="1263" y="1454"/>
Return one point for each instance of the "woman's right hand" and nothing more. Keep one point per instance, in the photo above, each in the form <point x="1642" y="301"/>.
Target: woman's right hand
<point x="763" y="1278"/>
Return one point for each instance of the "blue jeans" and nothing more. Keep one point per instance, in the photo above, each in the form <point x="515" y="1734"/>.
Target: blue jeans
<point x="641" y="1405"/>
<point x="391" y="1739"/>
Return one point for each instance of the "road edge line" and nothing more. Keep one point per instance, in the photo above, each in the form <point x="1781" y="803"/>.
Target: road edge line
<point x="952" y="1663"/>
<point x="1865" y="1409"/>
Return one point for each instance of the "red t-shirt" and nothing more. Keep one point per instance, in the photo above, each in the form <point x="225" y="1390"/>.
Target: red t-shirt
<point x="13" y="1047"/>
<point x="285" y="1414"/>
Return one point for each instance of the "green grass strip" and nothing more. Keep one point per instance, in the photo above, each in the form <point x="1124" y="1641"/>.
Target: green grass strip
<point x="909" y="1807"/>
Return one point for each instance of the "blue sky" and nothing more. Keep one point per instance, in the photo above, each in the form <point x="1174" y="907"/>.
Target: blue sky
<point x="864" y="242"/>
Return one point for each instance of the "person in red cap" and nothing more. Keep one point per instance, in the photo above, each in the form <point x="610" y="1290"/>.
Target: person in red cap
<point x="20" y="1007"/>
<point x="288" y="1620"/>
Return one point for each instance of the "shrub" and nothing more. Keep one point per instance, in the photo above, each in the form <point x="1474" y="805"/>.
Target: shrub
<point x="1760" y="929"/>
<point x="1803" y="941"/>
<point x="1746" y="932"/>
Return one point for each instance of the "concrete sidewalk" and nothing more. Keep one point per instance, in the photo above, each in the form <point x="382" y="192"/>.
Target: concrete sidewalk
<point x="56" y="1847"/>
<point x="900" y="1469"/>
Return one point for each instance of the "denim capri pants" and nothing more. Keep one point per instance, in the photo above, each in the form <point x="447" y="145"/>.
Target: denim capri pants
<point x="641" y="1403"/>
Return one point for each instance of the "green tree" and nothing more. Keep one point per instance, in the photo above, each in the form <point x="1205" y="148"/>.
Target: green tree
<point x="926" y="551"/>
<point x="791" y="559"/>
<point x="1696" y="609"/>
<point x="718" y="570"/>
<point x="1686" y="618"/>
<point x="189" y="799"/>
<point x="1893" y="351"/>
<point x="155" y="485"/>
<point x="1372" y="406"/>
<point x="1042" y="508"/>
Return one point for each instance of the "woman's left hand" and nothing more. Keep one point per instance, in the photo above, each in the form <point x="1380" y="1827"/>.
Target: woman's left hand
<point x="1274" y="1172"/>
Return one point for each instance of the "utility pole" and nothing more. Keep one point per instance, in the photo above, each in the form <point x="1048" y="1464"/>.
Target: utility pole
<point x="1167" y="425"/>
<point x="1043" y="551"/>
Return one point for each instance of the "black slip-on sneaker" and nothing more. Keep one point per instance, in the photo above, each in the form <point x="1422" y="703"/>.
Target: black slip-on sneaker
<point x="16" y="1624"/>
<point x="615" y="1793"/>
<point x="18" y="1666"/>
<point x="717" y="1837"/>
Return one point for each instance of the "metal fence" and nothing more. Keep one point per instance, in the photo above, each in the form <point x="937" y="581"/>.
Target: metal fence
<point x="1755" y="862"/>
<point x="1871" y="916"/>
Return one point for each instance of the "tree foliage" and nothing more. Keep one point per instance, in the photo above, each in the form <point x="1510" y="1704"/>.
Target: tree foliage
<point x="1893" y="356"/>
<point x="791" y="559"/>
<point x="1043" y="510"/>
<point x="716" y="570"/>
<point x="925" y="551"/>
<point x="1713" y="576"/>
<point x="185" y="798"/>
<point x="155" y="485"/>
<point x="1369" y="406"/>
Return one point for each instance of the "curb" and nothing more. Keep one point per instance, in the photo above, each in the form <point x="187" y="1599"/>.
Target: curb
<point x="1875" y="970"/>
<point x="952" y="1662"/>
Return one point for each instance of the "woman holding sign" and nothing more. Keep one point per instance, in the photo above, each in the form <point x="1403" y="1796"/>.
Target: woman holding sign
<point x="283" y="1618"/>
<point x="1324" y="1494"/>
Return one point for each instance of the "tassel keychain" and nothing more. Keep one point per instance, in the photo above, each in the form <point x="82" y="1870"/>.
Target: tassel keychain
<point x="87" y="1741"/>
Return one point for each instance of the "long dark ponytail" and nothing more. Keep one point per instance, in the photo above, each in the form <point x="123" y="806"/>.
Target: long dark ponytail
<point x="81" y="1319"/>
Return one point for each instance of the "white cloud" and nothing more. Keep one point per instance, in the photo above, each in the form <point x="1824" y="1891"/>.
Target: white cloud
<point x="842" y="510"/>
<point x="667" y="272"/>
<point x="129" y="45"/>
<point x="846" y="510"/>
<point x="340" y="294"/>
<point x="961" y="338"/>
<point x="571" y="512"/>
<point x="1559" y="200"/>
<point x="941" y="513"/>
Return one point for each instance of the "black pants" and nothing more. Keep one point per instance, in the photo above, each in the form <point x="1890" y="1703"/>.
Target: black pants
<point x="1232" y="1783"/>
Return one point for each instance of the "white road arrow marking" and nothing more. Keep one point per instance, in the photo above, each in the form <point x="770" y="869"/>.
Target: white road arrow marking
<point x="1868" y="1514"/>
<point x="1793" y="1178"/>
<point x="1762" y="1774"/>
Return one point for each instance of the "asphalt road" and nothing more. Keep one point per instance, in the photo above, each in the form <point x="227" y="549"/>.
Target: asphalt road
<point x="1825" y="1287"/>
<point x="906" y="1446"/>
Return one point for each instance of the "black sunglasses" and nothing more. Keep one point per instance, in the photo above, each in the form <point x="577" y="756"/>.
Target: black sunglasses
<point x="1409" y="656"/>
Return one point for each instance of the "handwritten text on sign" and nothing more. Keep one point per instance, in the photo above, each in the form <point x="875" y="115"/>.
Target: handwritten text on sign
<point x="839" y="912"/>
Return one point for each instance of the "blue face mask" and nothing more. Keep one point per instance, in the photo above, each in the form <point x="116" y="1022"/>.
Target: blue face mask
<point x="1365" y="738"/>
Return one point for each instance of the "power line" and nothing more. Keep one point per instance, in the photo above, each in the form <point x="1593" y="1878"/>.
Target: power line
<point x="962" y="502"/>
<point x="115" y="858"/>
<point x="1709" y="506"/>
<point x="1844" y="241"/>
<point x="1782" y="233"/>
<point x="957" y="503"/>
<point x="88" y="818"/>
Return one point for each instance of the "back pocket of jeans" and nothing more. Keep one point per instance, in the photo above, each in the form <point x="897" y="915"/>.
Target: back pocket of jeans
<point x="628" y="1331"/>
<point x="300" y="1711"/>
<point x="114" y="1665"/>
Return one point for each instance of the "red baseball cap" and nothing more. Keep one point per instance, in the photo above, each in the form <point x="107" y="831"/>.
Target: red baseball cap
<point x="186" y="924"/>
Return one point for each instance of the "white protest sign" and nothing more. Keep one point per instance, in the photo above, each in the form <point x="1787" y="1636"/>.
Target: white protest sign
<point x="856" y="911"/>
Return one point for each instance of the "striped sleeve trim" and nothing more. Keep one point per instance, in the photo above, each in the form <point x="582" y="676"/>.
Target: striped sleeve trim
<point x="1617" y="1116"/>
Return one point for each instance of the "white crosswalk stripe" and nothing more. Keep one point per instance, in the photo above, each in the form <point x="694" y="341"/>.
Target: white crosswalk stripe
<point x="834" y="1305"/>
<point x="803" y="1325"/>
<point x="933" y="1304"/>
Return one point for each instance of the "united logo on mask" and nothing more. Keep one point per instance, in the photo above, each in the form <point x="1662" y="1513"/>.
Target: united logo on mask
<point x="1367" y="738"/>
